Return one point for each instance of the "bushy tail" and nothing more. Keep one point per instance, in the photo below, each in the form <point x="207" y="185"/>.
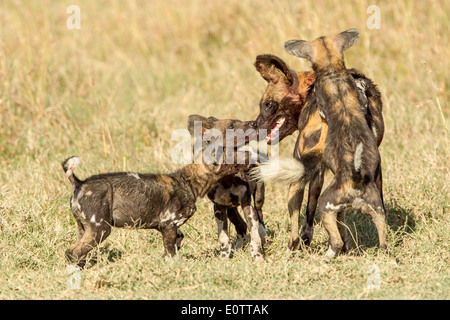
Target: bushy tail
<point x="69" y="165"/>
<point x="286" y="171"/>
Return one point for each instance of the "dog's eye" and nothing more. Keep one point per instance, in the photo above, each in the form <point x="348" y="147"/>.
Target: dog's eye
<point x="231" y="126"/>
<point x="269" y="104"/>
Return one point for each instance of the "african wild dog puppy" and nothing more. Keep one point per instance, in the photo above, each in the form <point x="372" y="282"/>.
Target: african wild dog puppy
<point x="350" y="148"/>
<point x="235" y="190"/>
<point x="147" y="201"/>
<point x="289" y="104"/>
<point x="231" y="192"/>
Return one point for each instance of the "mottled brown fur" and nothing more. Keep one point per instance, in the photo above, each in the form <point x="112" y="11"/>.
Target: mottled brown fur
<point x="149" y="201"/>
<point x="350" y="150"/>
<point x="308" y="147"/>
<point x="233" y="191"/>
<point x="285" y="94"/>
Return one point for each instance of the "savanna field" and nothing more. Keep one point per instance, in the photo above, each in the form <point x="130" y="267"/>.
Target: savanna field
<point x="113" y="91"/>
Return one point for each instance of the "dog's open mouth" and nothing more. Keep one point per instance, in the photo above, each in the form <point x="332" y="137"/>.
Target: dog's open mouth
<point x="274" y="132"/>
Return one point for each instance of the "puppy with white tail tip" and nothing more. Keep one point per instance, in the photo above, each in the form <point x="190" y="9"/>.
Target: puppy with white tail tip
<point x="146" y="201"/>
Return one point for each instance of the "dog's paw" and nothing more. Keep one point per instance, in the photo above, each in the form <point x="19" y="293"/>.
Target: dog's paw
<point x="259" y="258"/>
<point x="358" y="203"/>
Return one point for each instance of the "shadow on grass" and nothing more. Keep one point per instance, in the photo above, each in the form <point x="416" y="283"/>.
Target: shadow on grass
<point x="104" y="253"/>
<point x="400" y="220"/>
<point x="206" y="254"/>
<point x="363" y="234"/>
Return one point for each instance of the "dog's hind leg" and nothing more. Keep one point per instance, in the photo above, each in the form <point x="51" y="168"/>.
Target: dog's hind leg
<point x="332" y="201"/>
<point x="329" y="220"/>
<point x="371" y="204"/>
<point x="239" y="225"/>
<point x="315" y="188"/>
<point x="296" y="192"/>
<point x="379" y="183"/>
<point x="342" y="227"/>
<point x="92" y="237"/>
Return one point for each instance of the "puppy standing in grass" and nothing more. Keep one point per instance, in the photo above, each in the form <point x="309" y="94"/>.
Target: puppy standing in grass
<point x="235" y="190"/>
<point x="351" y="151"/>
<point x="147" y="201"/>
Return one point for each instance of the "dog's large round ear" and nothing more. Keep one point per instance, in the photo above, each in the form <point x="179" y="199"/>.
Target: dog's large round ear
<point x="211" y="120"/>
<point x="300" y="48"/>
<point x="199" y="124"/>
<point x="196" y="123"/>
<point x="273" y="69"/>
<point x="346" y="39"/>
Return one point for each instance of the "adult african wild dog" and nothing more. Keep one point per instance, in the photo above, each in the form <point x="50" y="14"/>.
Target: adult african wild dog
<point x="147" y="201"/>
<point x="235" y="190"/>
<point x="289" y="104"/>
<point x="350" y="148"/>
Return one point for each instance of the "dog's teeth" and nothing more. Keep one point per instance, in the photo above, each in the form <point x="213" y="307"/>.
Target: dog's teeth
<point x="275" y="129"/>
<point x="280" y="121"/>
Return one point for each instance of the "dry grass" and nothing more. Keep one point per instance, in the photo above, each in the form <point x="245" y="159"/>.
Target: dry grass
<point x="113" y="92"/>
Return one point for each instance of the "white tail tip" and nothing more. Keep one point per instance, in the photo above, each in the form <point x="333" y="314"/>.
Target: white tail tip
<point x="71" y="165"/>
<point x="285" y="171"/>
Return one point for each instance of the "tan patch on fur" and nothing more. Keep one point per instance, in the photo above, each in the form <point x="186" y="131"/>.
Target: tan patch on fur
<point x="167" y="181"/>
<point x="315" y="123"/>
<point x="276" y="91"/>
<point x="197" y="170"/>
<point x="347" y="157"/>
<point x="321" y="55"/>
<point x="319" y="147"/>
<point x="330" y="89"/>
<point x="353" y="103"/>
<point x="325" y="53"/>
<point x="305" y="80"/>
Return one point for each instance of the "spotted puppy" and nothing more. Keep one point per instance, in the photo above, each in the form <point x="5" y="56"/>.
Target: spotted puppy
<point x="233" y="191"/>
<point x="350" y="148"/>
<point x="144" y="201"/>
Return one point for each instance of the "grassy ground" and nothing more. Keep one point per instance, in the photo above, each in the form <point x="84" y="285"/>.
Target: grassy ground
<point x="114" y="91"/>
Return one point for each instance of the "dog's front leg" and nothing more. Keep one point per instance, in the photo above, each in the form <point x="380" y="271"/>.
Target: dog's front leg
<point x="258" y="196"/>
<point x="239" y="225"/>
<point x="220" y="212"/>
<point x="180" y="239"/>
